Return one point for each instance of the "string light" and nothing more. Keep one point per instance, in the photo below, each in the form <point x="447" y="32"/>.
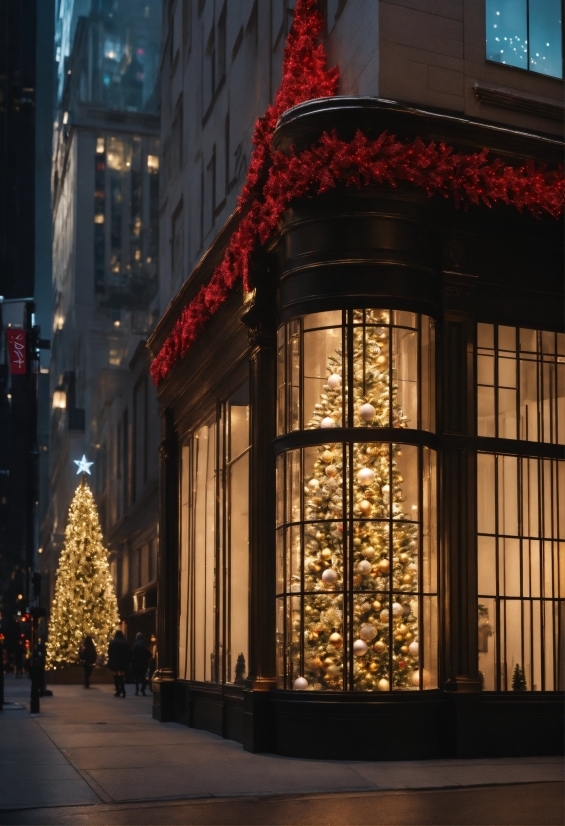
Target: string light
<point x="85" y="602"/>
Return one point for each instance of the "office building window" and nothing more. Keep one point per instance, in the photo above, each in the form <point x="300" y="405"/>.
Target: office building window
<point x="527" y="34"/>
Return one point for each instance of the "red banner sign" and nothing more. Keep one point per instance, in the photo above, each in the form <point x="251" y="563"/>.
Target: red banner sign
<point x="17" y="350"/>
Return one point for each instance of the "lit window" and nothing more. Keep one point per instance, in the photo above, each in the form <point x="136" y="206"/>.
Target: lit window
<point x="356" y="514"/>
<point x="152" y="163"/>
<point x="536" y="27"/>
<point x="214" y="547"/>
<point x="520" y="384"/>
<point x="98" y="219"/>
<point x="100" y="146"/>
<point x="521" y="572"/>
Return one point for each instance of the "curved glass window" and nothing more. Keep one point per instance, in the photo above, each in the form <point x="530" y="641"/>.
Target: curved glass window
<point x="360" y="368"/>
<point x="356" y="519"/>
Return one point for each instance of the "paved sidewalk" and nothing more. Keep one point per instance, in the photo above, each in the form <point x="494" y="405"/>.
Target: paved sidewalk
<point x="88" y="747"/>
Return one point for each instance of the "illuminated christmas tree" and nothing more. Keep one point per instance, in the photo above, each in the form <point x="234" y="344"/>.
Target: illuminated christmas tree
<point x="84" y="601"/>
<point x="384" y="572"/>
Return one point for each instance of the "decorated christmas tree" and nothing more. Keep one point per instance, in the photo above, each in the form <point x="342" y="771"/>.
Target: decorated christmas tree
<point x="84" y="601"/>
<point x="383" y="573"/>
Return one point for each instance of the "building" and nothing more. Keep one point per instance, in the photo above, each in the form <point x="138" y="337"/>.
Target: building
<point x="105" y="283"/>
<point x="361" y="464"/>
<point x="26" y="104"/>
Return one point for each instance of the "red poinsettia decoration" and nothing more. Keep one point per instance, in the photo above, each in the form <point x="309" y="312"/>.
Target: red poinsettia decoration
<point x="274" y="179"/>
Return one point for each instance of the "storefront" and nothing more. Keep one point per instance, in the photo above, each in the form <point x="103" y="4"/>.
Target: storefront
<point x="362" y="476"/>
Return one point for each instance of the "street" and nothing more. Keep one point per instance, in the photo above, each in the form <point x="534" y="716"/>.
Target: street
<point x="89" y="757"/>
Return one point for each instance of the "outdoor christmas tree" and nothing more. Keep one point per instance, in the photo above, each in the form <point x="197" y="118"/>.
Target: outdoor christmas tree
<point x="84" y="601"/>
<point x="385" y="571"/>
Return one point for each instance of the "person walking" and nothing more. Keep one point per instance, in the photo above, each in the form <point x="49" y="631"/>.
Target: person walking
<point x="87" y="655"/>
<point x="140" y="656"/>
<point x="119" y="657"/>
<point x="19" y="659"/>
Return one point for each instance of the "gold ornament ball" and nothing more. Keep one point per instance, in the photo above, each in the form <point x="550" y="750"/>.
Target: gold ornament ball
<point x="415" y="678"/>
<point x="381" y="360"/>
<point x="327" y="662"/>
<point x="403" y="557"/>
<point x="326" y="553"/>
<point x="373" y="666"/>
<point x="319" y="535"/>
<point x="327" y="456"/>
<point x="383" y="685"/>
<point x="409" y="636"/>
<point x="402" y="629"/>
<point x="336" y="640"/>
<point x="399" y="637"/>
<point x="376" y="605"/>
<point x="331" y="471"/>
<point x="407" y="579"/>
<point x="365" y="507"/>
<point x="379" y="647"/>
<point x="384" y="566"/>
<point x="405" y="649"/>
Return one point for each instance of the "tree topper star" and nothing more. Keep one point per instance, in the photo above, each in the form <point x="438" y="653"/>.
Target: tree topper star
<point x="83" y="465"/>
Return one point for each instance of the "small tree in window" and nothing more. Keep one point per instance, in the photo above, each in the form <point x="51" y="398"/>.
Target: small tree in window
<point x="519" y="679"/>
<point x="240" y="670"/>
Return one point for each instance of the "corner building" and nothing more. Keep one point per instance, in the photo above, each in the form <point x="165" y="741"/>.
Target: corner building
<point x="362" y="477"/>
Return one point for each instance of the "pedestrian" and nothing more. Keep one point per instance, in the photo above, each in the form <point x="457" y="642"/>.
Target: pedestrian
<point x="119" y="656"/>
<point x="140" y="657"/>
<point x="87" y="655"/>
<point x="19" y="659"/>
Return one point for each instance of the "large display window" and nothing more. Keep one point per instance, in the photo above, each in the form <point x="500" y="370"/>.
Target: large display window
<point x="521" y="572"/>
<point x="214" y="548"/>
<point x="520" y="507"/>
<point x="356" y="518"/>
<point x="356" y="368"/>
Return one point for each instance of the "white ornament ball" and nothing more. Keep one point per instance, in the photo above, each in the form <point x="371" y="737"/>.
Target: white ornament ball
<point x="334" y="381"/>
<point x="415" y="678"/>
<point x="313" y="484"/>
<point x="365" y="476"/>
<point x="383" y="616"/>
<point x="368" y="631"/>
<point x="396" y="609"/>
<point x="360" y="648"/>
<point x="383" y="685"/>
<point x="300" y="683"/>
<point x="327" y="421"/>
<point x="386" y="488"/>
<point x="367" y="412"/>
<point x="329" y="576"/>
<point x="413" y="649"/>
<point x="364" y="566"/>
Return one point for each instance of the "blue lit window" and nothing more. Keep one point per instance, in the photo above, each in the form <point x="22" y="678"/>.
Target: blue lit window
<point x="527" y="34"/>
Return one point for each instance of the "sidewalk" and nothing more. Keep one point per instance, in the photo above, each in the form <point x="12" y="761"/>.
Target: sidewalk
<point x="88" y="747"/>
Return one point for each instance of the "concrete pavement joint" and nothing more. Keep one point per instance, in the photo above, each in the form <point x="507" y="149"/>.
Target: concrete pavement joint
<point x="178" y="800"/>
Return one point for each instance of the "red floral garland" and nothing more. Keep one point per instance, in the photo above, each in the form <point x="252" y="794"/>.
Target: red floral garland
<point x="469" y="179"/>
